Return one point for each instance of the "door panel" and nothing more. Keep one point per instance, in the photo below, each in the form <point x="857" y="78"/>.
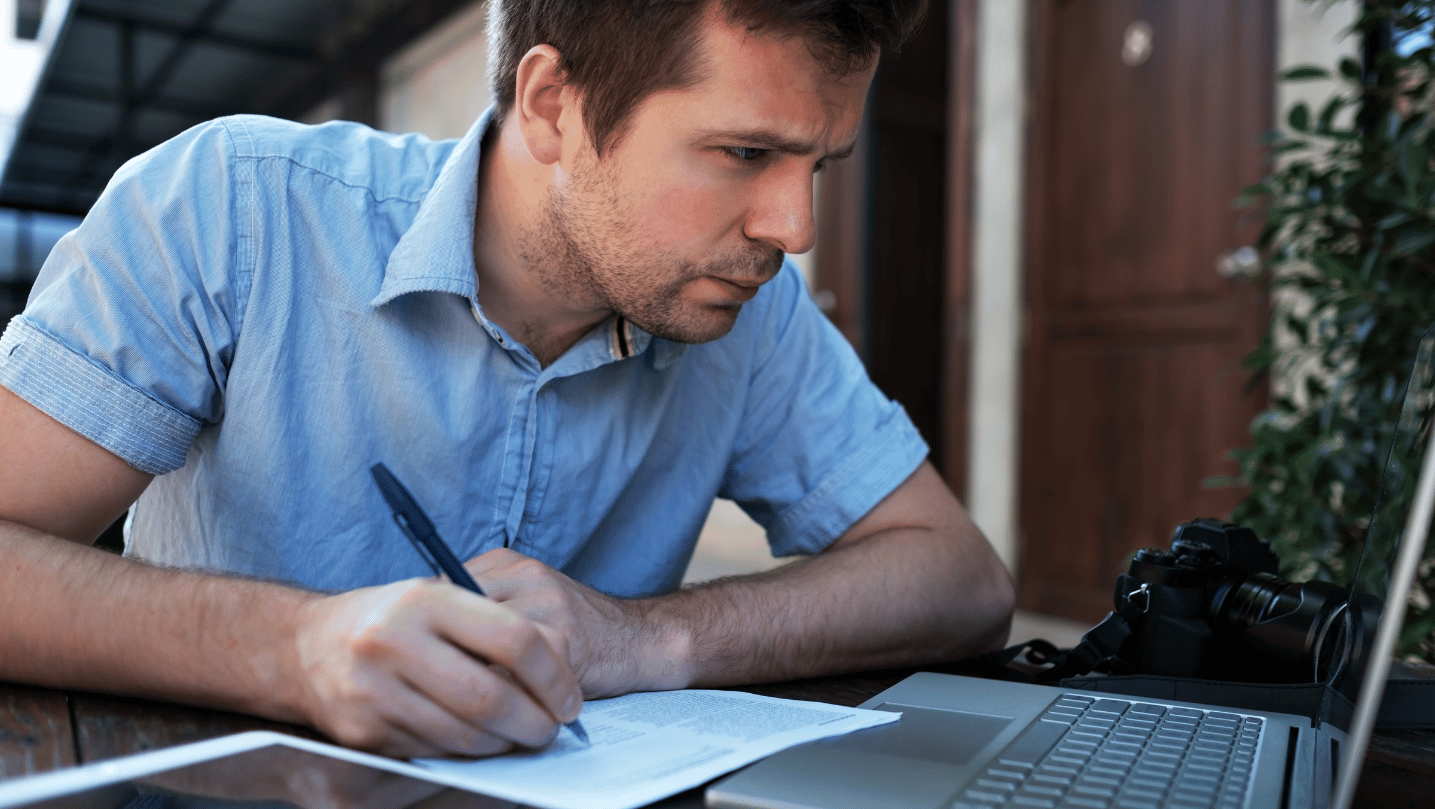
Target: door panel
<point x="1132" y="387"/>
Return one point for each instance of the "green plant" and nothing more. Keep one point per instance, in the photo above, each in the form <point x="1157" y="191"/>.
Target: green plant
<point x="1349" y="247"/>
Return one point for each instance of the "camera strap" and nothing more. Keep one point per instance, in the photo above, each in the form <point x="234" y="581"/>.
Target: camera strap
<point x="1040" y="661"/>
<point x="1408" y="704"/>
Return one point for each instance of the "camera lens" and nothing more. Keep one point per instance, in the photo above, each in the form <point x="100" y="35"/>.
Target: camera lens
<point x="1291" y="621"/>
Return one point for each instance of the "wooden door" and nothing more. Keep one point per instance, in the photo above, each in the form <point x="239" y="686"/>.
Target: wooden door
<point x="893" y="248"/>
<point x="1132" y="384"/>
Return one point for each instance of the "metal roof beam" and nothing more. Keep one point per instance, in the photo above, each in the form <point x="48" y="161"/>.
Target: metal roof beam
<point x="83" y="91"/>
<point x="70" y="142"/>
<point x="266" y="47"/>
<point x="121" y="145"/>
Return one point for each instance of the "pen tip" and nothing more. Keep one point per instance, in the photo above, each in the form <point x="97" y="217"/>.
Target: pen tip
<point x="577" y="728"/>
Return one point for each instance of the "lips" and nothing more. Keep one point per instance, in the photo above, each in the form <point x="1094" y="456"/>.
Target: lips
<point x="740" y="291"/>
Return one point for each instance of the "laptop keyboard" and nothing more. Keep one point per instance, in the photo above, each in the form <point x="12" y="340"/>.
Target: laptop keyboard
<point x="1092" y="753"/>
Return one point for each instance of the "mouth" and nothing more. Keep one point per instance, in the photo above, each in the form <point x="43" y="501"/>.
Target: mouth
<point x="740" y="290"/>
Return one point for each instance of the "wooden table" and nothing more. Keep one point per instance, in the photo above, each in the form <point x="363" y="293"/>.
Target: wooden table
<point x="43" y="730"/>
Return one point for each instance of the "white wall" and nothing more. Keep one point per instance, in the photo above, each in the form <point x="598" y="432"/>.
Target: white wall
<point x="998" y="183"/>
<point x="438" y="84"/>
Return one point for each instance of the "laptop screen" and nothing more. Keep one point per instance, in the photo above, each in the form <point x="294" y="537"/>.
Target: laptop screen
<point x="1394" y="496"/>
<point x="1395" y="543"/>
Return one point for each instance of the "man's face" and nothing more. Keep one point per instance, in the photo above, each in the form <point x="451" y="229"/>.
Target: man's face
<point x="679" y="224"/>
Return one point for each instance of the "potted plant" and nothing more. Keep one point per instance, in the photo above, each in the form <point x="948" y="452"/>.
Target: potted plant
<point x="1349" y="250"/>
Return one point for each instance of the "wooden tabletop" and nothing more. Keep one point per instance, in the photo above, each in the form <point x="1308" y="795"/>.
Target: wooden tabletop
<point x="43" y="730"/>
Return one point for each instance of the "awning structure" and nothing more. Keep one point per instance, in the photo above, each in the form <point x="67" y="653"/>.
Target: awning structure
<point x="125" y="75"/>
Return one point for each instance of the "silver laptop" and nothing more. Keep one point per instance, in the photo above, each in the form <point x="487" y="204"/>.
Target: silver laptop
<point x="965" y="743"/>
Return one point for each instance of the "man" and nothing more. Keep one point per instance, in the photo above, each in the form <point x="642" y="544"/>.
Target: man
<point x="564" y="360"/>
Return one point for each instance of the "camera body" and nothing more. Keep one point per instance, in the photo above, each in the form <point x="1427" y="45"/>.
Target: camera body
<point x="1213" y="607"/>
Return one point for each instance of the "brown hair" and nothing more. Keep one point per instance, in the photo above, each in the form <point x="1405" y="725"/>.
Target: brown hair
<point x="616" y="53"/>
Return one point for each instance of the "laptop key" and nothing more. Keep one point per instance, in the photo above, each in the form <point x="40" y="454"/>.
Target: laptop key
<point x="997" y="786"/>
<point x="1032" y="744"/>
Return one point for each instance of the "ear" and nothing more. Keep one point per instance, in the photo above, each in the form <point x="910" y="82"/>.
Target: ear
<point x="540" y="100"/>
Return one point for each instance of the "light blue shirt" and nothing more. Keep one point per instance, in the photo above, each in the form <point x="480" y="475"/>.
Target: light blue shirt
<point x="257" y="311"/>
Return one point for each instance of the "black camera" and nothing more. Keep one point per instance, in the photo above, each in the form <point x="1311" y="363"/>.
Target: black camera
<point x="1213" y="607"/>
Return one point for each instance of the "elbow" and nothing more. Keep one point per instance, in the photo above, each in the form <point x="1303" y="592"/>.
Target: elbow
<point x="1000" y="608"/>
<point x="988" y="608"/>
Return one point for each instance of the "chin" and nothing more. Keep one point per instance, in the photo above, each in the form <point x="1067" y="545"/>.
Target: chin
<point x="702" y="327"/>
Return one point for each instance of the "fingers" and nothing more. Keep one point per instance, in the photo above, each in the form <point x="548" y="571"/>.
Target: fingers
<point x="524" y="650"/>
<point x="428" y="724"/>
<point x="595" y="633"/>
<point x="467" y="690"/>
<point x="424" y="668"/>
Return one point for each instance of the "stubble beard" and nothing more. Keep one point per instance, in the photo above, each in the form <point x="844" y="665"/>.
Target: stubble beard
<point x="586" y="252"/>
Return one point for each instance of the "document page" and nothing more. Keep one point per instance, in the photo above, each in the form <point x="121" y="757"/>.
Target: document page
<point x="649" y="746"/>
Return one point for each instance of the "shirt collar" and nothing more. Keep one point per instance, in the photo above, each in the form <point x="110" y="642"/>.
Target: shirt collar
<point x="627" y="340"/>
<point x="436" y="253"/>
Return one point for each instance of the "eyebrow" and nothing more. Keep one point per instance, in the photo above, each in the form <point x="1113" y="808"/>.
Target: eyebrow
<point x="767" y="139"/>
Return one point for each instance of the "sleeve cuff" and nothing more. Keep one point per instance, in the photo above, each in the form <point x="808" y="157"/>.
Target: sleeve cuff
<point x="856" y="487"/>
<point x="92" y="401"/>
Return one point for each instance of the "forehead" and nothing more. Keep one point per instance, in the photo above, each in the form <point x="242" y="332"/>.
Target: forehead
<point x="761" y="81"/>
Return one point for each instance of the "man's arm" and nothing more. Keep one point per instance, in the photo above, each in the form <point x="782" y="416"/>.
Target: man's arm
<point x="397" y="669"/>
<point x="912" y="582"/>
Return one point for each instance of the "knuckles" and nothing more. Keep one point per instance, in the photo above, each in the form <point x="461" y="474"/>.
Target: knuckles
<point x="513" y="642"/>
<point x="361" y="731"/>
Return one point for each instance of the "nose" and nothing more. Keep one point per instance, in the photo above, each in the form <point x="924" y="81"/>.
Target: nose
<point x="781" y="215"/>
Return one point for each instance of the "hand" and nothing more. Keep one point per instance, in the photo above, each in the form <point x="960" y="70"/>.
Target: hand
<point x="612" y="644"/>
<point x="421" y="668"/>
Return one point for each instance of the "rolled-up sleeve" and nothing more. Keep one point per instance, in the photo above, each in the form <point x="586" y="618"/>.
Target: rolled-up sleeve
<point x="821" y="445"/>
<point x="131" y="326"/>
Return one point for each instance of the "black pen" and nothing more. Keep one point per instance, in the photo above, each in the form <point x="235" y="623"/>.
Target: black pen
<point x="421" y="532"/>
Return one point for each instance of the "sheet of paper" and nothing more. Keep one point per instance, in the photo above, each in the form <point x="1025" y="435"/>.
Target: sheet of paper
<point x="649" y="746"/>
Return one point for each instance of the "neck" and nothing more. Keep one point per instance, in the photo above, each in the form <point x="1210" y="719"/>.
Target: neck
<point x="512" y="189"/>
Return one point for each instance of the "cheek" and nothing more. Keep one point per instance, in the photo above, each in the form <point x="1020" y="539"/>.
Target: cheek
<point x="695" y="206"/>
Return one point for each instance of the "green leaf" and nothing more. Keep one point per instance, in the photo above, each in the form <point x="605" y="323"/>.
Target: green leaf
<point x="1331" y="265"/>
<point x="1299" y="117"/>
<point x="1394" y="220"/>
<point x="1289" y="146"/>
<point x="1331" y="109"/>
<point x="1414" y="161"/>
<point x="1304" y="73"/>
<point x="1350" y="69"/>
<point x="1412" y="241"/>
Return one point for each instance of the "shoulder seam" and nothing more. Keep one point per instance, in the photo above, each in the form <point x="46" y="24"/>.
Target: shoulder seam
<point x="252" y="153"/>
<point x="256" y="158"/>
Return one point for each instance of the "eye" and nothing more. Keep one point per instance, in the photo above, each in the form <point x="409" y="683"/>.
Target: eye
<point x="747" y="153"/>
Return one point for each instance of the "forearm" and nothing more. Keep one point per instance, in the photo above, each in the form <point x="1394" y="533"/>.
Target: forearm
<point x="905" y="597"/>
<point x="77" y="617"/>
